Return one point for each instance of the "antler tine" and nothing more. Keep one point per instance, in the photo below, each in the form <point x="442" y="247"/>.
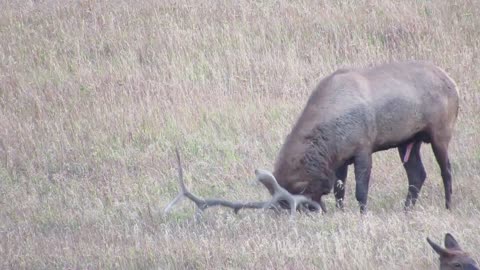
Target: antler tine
<point x="183" y="189"/>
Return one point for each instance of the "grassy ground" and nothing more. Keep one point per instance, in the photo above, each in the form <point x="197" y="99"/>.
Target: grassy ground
<point x="94" y="95"/>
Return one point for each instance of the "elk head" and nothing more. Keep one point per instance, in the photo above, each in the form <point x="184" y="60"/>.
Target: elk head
<point x="452" y="257"/>
<point x="280" y="196"/>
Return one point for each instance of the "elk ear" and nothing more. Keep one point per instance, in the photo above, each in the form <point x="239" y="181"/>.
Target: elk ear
<point x="451" y="243"/>
<point x="441" y="251"/>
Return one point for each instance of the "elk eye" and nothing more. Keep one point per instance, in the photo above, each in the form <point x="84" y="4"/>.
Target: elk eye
<point x="457" y="265"/>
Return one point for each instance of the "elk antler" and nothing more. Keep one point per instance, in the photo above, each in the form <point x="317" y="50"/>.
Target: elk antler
<point x="264" y="177"/>
<point x="280" y="194"/>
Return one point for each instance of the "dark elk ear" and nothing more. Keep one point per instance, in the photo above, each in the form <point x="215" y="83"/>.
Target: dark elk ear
<point x="441" y="251"/>
<point x="451" y="243"/>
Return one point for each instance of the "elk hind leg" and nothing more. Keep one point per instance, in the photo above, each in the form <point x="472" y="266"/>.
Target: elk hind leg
<point x="440" y="149"/>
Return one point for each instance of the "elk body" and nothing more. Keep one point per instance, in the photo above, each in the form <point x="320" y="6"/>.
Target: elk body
<point x="351" y="115"/>
<point x="452" y="257"/>
<point x="354" y="113"/>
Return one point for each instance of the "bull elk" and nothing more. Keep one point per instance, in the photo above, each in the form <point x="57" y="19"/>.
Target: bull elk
<point x="354" y="113"/>
<point x="452" y="257"/>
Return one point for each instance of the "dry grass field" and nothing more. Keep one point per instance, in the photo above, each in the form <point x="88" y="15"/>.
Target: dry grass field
<point x="94" y="96"/>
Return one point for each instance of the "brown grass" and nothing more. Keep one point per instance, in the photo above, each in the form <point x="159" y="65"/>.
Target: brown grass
<point x="94" y="95"/>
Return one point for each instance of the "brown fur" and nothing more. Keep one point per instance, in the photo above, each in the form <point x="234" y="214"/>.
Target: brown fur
<point x="354" y="113"/>
<point x="452" y="257"/>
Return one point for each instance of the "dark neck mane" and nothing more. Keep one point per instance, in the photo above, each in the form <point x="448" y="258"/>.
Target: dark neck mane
<point x="306" y="160"/>
<point x="318" y="158"/>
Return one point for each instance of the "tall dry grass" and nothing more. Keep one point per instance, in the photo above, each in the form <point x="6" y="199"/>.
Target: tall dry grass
<point x="95" y="94"/>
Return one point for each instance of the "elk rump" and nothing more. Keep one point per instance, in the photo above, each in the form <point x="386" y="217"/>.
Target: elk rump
<point x="353" y="113"/>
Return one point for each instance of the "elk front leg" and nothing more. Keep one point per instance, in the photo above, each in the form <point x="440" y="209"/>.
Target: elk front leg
<point x="363" y="167"/>
<point x="415" y="171"/>
<point x="339" y="186"/>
